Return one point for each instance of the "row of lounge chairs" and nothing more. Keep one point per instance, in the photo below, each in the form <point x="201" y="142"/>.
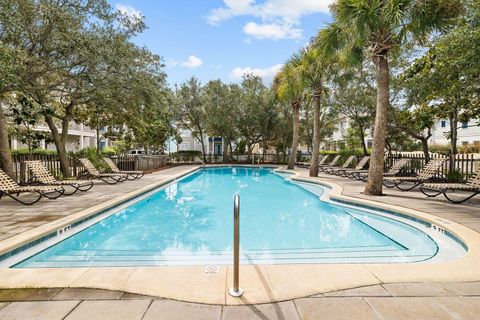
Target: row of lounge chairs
<point x="44" y="184"/>
<point x="392" y="179"/>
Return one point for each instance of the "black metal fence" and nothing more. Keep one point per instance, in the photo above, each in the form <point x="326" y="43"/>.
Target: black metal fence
<point x="271" y="158"/>
<point x="465" y="164"/>
<point x="52" y="162"/>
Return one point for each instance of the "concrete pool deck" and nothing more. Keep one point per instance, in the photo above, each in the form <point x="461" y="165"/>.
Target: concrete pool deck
<point x="391" y="301"/>
<point x="263" y="284"/>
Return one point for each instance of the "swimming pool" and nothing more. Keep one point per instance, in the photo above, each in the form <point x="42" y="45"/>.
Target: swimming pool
<point x="189" y="222"/>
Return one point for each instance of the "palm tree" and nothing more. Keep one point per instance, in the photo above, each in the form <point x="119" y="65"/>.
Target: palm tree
<point x="290" y="87"/>
<point x="314" y="67"/>
<point x="377" y="28"/>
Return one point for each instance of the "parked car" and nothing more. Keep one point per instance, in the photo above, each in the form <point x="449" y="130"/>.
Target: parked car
<point x="136" y="152"/>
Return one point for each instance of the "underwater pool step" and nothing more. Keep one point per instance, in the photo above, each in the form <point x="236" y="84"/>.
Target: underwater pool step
<point x="224" y="257"/>
<point x="219" y="255"/>
<point x="229" y="252"/>
<point x="202" y="262"/>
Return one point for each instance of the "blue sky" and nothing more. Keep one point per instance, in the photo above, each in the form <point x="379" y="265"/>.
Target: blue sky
<point x="223" y="39"/>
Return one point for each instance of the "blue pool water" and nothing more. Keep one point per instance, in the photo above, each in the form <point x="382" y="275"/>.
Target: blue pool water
<point x="189" y="222"/>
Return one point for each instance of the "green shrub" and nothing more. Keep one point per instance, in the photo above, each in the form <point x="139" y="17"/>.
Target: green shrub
<point x="186" y="155"/>
<point x="455" y="176"/>
<point x="24" y="151"/>
<point x="445" y="149"/>
<point x="300" y="157"/>
<point x="108" y="152"/>
<point x="470" y="148"/>
<point x="440" y="149"/>
<point x="91" y="154"/>
<point x="325" y="152"/>
<point x="121" y="146"/>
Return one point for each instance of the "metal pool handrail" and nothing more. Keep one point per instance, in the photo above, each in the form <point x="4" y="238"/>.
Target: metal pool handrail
<point x="236" y="291"/>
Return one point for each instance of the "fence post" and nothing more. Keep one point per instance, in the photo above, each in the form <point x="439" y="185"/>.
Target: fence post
<point x="135" y="163"/>
<point x="471" y="165"/>
<point x="74" y="166"/>
<point x="23" y="172"/>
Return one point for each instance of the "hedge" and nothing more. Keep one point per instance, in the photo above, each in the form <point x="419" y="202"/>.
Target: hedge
<point x="24" y="151"/>
<point x="445" y="149"/>
<point x="186" y="155"/>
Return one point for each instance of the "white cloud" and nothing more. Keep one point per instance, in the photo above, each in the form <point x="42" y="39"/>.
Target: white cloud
<point x="192" y="62"/>
<point x="287" y="10"/>
<point x="282" y="15"/>
<point x="232" y="8"/>
<point x="264" y="73"/>
<point x="274" y="31"/>
<point x="129" y="11"/>
<point x="171" y="62"/>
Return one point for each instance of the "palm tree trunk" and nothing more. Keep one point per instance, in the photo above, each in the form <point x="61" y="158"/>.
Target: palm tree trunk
<point x="6" y="162"/>
<point x="316" y="135"/>
<point x="296" y="131"/>
<point x="375" y="173"/>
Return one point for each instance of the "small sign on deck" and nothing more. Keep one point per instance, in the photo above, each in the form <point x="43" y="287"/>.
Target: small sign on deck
<point x="211" y="269"/>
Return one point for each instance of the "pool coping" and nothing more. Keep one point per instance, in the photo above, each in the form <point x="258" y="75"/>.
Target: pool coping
<point x="262" y="283"/>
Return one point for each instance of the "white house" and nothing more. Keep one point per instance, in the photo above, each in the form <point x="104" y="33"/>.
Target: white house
<point x="213" y="145"/>
<point x="337" y="139"/>
<point x="468" y="133"/>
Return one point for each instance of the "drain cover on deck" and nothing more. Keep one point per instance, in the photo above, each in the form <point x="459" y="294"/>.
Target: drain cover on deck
<point x="211" y="269"/>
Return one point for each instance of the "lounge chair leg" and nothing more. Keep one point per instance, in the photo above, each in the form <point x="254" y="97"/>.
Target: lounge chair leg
<point x="408" y="188"/>
<point x="459" y="201"/>
<point x="121" y="178"/>
<point x="388" y="185"/>
<point x="75" y="189"/>
<point x="430" y="195"/>
<point x="57" y="194"/>
<point x="109" y="180"/>
<point x="88" y="187"/>
<point x="27" y="203"/>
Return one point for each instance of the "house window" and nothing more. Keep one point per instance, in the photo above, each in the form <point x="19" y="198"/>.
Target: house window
<point x="464" y="125"/>
<point x="443" y="123"/>
<point x="185" y="133"/>
<point x="184" y="146"/>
